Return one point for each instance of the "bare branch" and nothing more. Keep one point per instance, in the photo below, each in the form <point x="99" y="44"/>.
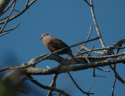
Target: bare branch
<point x="47" y="87"/>
<point x="7" y="31"/>
<point x="21" y="12"/>
<point x="53" y="84"/>
<point x="117" y="76"/>
<point x="87" y="2"/>
<point x="87" y="93"/>
<point x="7" y="6"/>
<point x="113" y="87"/>
<point x="96" y="24"/>
<point x="64" y="69"/>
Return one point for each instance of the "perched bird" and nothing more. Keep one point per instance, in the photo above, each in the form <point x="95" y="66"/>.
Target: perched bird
<point x="53" y="44"/>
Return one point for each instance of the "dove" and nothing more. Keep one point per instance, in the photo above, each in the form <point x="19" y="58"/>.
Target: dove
<point x="53" y="44"/>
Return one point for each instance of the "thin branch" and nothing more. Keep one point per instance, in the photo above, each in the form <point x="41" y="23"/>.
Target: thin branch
<point x="1" y="30"/>
<point x="90" y="88"/>
<point x="104" y="70"/>
<point x="7" y="10"/>
<point x="7" y="20"/>
<point x="87" y="2"/>
<point x="27" y="2"/>
<point x="87" y="93"/>
<point x="46" y="87"/>
<point x="98" y="50"/>
<point x="8" y="30"/>
<point x="96" y="24"/>
<point x="113" y="87"/>
<point x="118" y="77"/>
<point x="89" y="33"/>
<point x="21" y="12"/>
<point x="53" y="84"/>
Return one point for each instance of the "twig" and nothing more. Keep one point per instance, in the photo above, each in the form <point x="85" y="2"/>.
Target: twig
<point x="87" y="2"/>
<point x="7" y="10"/>
<point x="53" y="84"/>
<point x="7" y="20"/>
<point x="47" y="87"/>
<point x="113" y="87"/>
<point x="88" y="37"/>
<point x="90" y="88"/>
<point x="89" y="33"/>
<point x="96" y="24"/>
<point x="97" y="50"/>
<point x="118" y="77"/>
<point x="7" y="31"/>
<point x="1" y="30"/>
<point x="103" y="70"/>
<point x="87" y="93"/>
<point x="21" y="12"/>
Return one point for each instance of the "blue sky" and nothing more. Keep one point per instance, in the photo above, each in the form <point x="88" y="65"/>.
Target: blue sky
<point x="70" y="21"/>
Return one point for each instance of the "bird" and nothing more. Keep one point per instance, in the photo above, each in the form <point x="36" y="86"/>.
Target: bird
<point x="53" y="44"/>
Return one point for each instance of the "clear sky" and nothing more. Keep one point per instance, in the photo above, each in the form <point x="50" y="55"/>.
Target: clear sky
<point x="70" y="21"/>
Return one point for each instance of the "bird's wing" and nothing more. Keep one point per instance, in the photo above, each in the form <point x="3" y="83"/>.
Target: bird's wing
<point x="57" y="44"/>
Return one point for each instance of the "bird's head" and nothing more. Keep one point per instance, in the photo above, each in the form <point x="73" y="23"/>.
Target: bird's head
<point x="43" y="35"/>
